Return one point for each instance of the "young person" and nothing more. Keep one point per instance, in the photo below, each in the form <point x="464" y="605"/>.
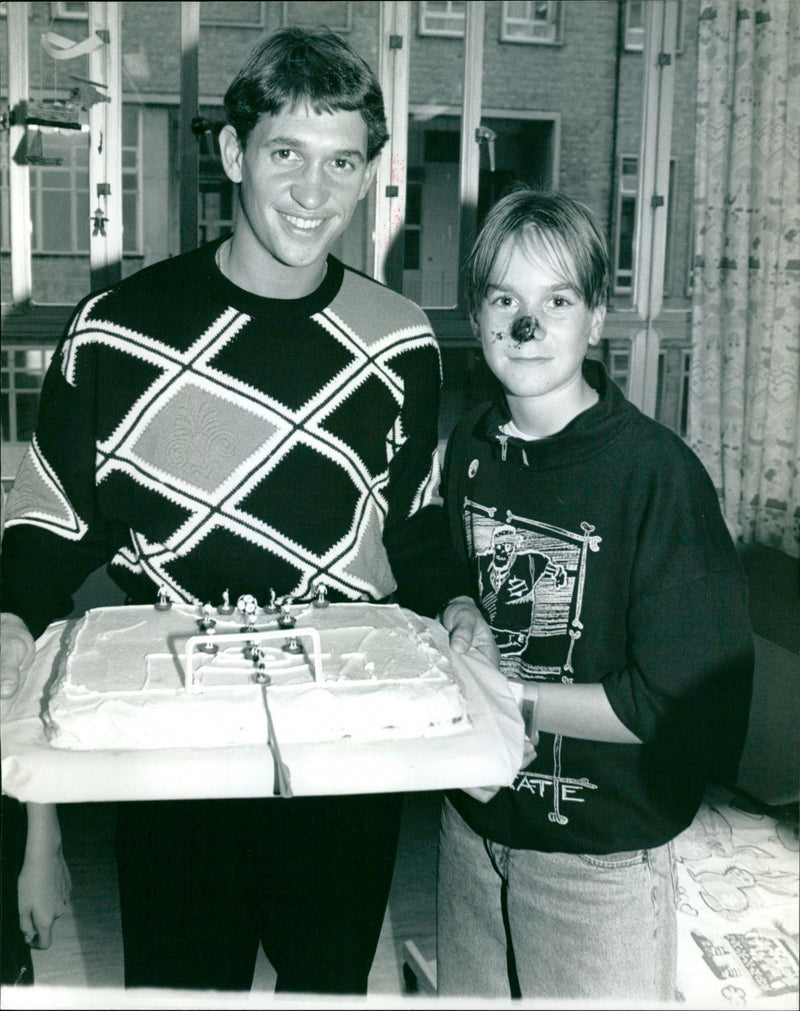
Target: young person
<point x="602" y="564"/>
<point x="40" y="893"/>
<point x="251" y="416"/>
<point x="35" y="880"/>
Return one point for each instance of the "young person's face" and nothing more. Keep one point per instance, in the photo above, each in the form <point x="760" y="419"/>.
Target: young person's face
<point x="301" y="174"/>
<point x="534" y="326"/>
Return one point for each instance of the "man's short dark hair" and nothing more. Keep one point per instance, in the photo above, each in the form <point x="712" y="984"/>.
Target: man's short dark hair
<point x="554" y="221"/>
<point x="295" y="66"/>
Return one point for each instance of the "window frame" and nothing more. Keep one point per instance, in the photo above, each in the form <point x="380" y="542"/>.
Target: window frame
<point x="555" y="17"/>
<point x="633" y="194"/>
<point x="633" y="37"/>
<point x="10" y="391"/>
<point x="105" y="249"/>
<point x="137" y="170"/>
<point x="38" y="187"/>
<point x="425" y="28"/>
<point x="451" y="325"/>
<point x="427" y="113"/>
<point x="621" y="194"/>
<point x="61" y="11"/>
<point x="617" y="370"/>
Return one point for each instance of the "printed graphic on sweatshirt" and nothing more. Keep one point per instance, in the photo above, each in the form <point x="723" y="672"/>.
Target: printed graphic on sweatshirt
<point x="531" y="577"/>
<point x="530" y="580"/>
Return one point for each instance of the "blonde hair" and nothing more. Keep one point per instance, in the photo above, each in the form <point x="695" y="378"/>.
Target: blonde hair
<point x="560" y="229"/>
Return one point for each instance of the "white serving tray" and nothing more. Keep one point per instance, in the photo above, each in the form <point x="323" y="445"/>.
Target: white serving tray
<point x="489" y="753"/>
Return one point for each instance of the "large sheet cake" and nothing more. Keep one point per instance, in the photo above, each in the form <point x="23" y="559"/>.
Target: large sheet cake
<point x="125" y="679"/>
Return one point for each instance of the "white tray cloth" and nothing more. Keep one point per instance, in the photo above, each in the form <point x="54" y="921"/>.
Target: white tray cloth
<point x="490" y="753"/>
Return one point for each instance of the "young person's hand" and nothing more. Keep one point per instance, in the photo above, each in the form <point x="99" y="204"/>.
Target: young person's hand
<point x="469" y="630"/>
<point x="16" y="655"/>
<point x="485" y="793"/>
<point x="44" y="883"/>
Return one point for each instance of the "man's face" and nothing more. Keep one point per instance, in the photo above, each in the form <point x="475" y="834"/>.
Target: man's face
<point x="301" y="175"/>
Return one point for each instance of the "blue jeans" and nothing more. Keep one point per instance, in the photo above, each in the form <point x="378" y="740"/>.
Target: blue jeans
<point x="553" y="925"/>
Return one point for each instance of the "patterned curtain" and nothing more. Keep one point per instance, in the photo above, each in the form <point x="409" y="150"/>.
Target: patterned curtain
<point x="744" y="400"/>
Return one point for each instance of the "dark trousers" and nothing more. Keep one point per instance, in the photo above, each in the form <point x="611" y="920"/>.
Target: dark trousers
<point x="17" y="966"/>
<point x="203" y="882"/>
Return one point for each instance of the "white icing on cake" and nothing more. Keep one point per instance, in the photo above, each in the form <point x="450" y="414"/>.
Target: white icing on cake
<point x="123" y="684"/>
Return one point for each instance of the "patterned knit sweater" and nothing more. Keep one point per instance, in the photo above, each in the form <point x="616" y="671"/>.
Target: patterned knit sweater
<point x="204" y="439"/>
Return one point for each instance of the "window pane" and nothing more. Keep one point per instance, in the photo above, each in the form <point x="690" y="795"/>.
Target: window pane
<point x="27" y="410"/>
<point x="626" y="232"/>
<point x="431" y="274"/>
<point x="9" y="432"/>
<point x="522" y="153"/>
<point x="55" y="179"/>
<point x="413" y="200"/>
<point x="57" y="223"/>
<point x="27" y="381"/>
<point x="83" y="222"/>
<point x="130" y="126"/>
<point x="67" y="9"/>
<point x="537" y="21"/>
<point x="130" y="239"/>
<point x="5" y="222"/>
<point x="618" y="363"/>
<point x="58" y="161"/>
<point x="22" y="373"/>
<point x="442" y="17"/>
<point x="411" y="254"/>
<point x="634" y="25"/>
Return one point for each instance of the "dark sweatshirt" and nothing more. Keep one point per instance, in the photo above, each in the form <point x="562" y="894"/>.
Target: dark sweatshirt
<point x="599" y="555"/>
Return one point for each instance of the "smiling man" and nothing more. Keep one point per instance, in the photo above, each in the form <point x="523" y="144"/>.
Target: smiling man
<point x="301" y="174"/>
<point x="251" y="417"/>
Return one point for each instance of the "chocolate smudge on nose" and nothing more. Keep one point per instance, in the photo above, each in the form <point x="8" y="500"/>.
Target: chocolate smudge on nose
<point x="523" y="329"/>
